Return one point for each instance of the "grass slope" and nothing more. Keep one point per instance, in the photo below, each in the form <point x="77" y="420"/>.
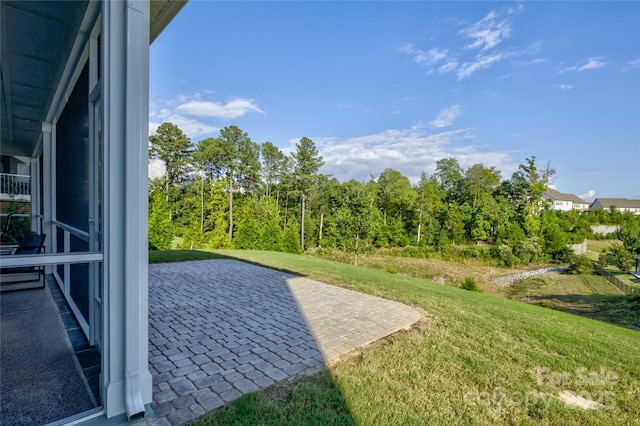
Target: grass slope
<point x="588" y="295"/>
<point x="476" y="359"/>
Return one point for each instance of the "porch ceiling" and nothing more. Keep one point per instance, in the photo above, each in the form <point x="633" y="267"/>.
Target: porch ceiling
<point x="36" y="38"/>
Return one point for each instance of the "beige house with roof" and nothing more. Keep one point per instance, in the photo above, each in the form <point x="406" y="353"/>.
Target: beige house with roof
<point x="564" y="202"/>
<point x="622" y="205"/>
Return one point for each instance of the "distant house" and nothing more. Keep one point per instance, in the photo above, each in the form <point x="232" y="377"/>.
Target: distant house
<point x="564" y="202"/>
<point x="622" y="205"/>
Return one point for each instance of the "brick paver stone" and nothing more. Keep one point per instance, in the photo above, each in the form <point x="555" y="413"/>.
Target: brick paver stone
<point x="222" y="328"/>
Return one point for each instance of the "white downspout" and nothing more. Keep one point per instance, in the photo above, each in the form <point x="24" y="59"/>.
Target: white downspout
<point x="136" y="275"/>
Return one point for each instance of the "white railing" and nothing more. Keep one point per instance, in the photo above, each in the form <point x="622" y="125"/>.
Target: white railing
<point x="65" y="259"/>
<point x="15" y="187"/>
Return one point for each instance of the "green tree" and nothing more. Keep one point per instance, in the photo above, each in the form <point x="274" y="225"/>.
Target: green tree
<point x="537" y="182"/>
<point x="213" y="156"/>
<point x="219" y="238"/>
<point x="234" y="156"/>
<point x="429" y="204"/>
<point x="630" y="236"/>
<point x="247" y="235"/>
<point x="454" y="223"/>
<point x="161" y="230"/>
<point x="274" y="163"/>
<point x="171" y="146"/>
<point x="291" y="240"/>
<point x="480" y="181"/>
<point x="449" y="176"/>
<point x="191" y="216"/>
<point x="396" y="197"/>
<point x="353" y="219"/>
<point x="271" y="234"/>
<point x="307" y="162"/>
<point x="622" y="257"/>
<point x="555" y="241"/>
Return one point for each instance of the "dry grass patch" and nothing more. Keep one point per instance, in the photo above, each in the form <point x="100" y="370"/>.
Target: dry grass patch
<point x="438" y="270"/>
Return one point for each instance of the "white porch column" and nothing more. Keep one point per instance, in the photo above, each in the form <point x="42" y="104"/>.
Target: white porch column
<point x="35" y="190"/>
<point x="127" y="381"/>
<point x="48" y="192"/>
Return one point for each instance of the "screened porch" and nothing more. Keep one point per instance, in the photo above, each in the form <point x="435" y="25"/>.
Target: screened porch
<point x="74" y="122"/>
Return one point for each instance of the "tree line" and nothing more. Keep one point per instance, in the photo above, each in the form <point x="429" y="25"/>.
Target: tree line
<point x="230" y="191"/>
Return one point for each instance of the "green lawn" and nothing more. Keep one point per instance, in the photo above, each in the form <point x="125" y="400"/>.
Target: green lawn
<point x="474" y="359"/>
<point x="596" y="247"/>
<point x="156" y="256"/>
<point x="588" y="295"/>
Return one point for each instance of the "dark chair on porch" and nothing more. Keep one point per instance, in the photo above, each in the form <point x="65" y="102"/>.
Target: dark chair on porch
<point x="23" y="277"/>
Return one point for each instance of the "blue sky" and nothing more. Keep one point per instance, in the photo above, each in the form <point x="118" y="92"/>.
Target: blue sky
<point x="404" y="84"/>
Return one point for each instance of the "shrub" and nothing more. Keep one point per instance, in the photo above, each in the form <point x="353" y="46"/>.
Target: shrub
<point x="474" y="252"/>
<point x="331" y="253"/>
<point x="422" y="252"/>
<point x="18" y="229"/>
<point x="291" y="239"/>
<point x="624" y="259"/>
<point x="580" y="265"/>
<point x="528" y="251"/>
<point x="161" y="229"/>
<point x="271" y="236"/>
<point x="504" y="254"/>
<point x="603" y="260"/>
<point x="470" y="284"/>
<point x="247" y="234"/>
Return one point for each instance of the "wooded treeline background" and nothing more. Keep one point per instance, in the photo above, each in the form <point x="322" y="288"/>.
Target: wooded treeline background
<point x="230" y="191"/>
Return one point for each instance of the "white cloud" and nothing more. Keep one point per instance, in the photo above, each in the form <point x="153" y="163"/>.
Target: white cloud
<point x="487" y="33"/>
<point x="449" y="66"/>
<point x="632" y="65"/>
<point x="410" y="151"/>
<point x="232" y="109"/>
<point x="153" y="126"/>
<point x="534" y="61"/>
<point x="480" y="42"/>
<point x="156" y="169"/>
<point x="480" y="62"/>
<point x="566" y="86"/>
<point x="484" y="35"/>
<point x="189" y="126"/>
<point x="588" y="194"/>
<point x="427" y="59"/>
<point x="446" y="117"/>
<point x="590" y="64"/>
<point x="535" y="47"/>
<point x="193" y="113"/>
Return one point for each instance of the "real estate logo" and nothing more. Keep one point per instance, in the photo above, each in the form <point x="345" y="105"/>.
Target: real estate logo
<point x="579" y="389"/>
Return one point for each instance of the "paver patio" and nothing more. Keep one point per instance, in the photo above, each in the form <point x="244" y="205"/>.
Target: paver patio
<point x="222" y="328"/>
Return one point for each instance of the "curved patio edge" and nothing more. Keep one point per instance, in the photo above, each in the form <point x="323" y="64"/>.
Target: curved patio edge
<point x="219" y="329"/>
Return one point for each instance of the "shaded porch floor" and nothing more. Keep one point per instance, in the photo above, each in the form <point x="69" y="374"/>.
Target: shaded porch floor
<point x="48" y="372"/>
<point x="221" y="328"/>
